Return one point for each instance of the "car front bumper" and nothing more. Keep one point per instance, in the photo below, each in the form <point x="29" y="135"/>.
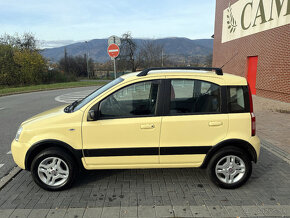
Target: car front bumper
<point x="19" y="150"/>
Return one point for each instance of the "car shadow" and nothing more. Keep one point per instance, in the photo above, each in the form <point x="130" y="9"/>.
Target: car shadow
<point x="87" y="177"/>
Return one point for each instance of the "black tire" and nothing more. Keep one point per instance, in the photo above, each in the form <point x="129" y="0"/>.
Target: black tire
<point x="60" y="154"/>
<point x="227" y="151"/>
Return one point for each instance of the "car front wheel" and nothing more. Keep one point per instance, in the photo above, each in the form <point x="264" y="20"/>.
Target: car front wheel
<point x="230" y="167"/>
<point x="53" y="169"/>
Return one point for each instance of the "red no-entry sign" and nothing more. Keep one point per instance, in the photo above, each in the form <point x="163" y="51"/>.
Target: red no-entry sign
<point x="113" y="50"/>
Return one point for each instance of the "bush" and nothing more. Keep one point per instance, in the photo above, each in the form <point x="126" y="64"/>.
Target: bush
<point x="55" y="76"/>
<point x="22" y="64"/>
<point x="31" y="64"/>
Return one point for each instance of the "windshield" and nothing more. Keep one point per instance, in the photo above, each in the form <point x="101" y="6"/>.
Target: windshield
<point x="96" y="93"/>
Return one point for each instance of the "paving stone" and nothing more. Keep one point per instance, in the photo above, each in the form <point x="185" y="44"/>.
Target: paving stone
<point x="6" y="212"/>
<point x="146" y="211"/>
<point x="129" y="212"/>
<point x="235" y="211"/>
<point x="109" y="212"/>
<point x="93" y="213"/>
<point x="38" y="213"/>
<point x="164" y="211"/>
<point x="182" y="211"/>
<point x="42" y="206"/>
<point x="252" y="211"/>
<point x="285" y="210"/>
<point x="19" y="213"/>
<point x="56" y="213"/>
<point x="200" y="211"/>
<point x="271" y="210"/>
<point x="74" y="212"/>
<point x="218" y="211"/>
<point x="78" y="205"/>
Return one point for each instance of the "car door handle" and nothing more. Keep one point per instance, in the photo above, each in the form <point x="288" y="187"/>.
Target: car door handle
<point x="215" y="123"/>
<point x="147" y="126"/>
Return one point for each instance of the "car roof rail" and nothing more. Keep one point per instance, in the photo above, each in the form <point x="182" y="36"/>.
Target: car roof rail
<point x="218" y="71"/>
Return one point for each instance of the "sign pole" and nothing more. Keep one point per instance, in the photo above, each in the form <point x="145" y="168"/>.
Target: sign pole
<point x="115" y="70"/>
<point x="113" y="50"/>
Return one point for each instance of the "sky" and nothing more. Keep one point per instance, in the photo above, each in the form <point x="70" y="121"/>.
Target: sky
<point x="80" y="20"/>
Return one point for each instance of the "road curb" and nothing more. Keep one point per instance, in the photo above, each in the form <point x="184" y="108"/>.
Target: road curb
<point x="6" y="179"/>
<point x="276" y="150"/>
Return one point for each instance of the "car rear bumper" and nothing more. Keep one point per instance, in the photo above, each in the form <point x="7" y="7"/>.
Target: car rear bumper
<point x="255" y="142"/>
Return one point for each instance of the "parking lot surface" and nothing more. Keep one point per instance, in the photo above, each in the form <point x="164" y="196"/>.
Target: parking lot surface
<point x="183" y="192"/>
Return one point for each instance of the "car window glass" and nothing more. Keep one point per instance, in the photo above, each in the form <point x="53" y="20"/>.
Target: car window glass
<point x="180" y="86"/>
<point x="134" y="100"/>
<point x="96" y="93"/>
<point x="205" y="87"/>
<point x="236" y="99"/>
<point x="194" y="96"/>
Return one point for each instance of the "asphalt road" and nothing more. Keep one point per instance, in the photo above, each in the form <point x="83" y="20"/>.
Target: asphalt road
<point x="14" y="109"/>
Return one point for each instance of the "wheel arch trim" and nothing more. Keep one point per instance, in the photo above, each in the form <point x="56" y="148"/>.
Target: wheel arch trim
<point x="231" y="142"/>
<point x="43" y="144"/>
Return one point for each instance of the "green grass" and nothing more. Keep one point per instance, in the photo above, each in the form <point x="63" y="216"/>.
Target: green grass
<point x="43" y="87"/>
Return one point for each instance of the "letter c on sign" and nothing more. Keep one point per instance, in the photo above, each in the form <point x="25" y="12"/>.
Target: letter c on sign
<point x="243" y="16"/>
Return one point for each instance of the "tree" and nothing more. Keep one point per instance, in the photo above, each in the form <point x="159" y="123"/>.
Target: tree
<point x="208" y="60"/>
<point x="195" y="61"/>
<point x="128" y="52"/>
<point x="20" y="60"/>
<point x="8" y="69"/>
<point x="32" y="66"/>
<point x="22" y="42"/>
<point x="76" y="66"/>
<point x="151" y="54"/>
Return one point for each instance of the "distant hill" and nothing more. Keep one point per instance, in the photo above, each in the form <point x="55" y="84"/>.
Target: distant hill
<point x="98" y="48"/>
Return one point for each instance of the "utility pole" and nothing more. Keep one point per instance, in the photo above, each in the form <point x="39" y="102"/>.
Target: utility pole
<point x="65" y="61"/>
<point x="162" y="57"/>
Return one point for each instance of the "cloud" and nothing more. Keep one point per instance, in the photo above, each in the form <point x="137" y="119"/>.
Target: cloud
<point x="79" y="20"/>
<point x="53" y="44"/>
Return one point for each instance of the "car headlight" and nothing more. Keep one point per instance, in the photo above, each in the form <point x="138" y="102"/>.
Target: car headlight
<point x="18" y="133"/>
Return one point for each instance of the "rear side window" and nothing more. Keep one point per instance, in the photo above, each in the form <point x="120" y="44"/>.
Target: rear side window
<point x="237" y="99"/>
<point x="194" y="97"/>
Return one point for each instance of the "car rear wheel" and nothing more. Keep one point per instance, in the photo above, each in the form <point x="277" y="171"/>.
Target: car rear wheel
<point x="230" y="167"/>
<point x="53" y="169"/>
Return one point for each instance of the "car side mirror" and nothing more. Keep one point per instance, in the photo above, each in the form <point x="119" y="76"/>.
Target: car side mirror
<point x="91" y="115"/>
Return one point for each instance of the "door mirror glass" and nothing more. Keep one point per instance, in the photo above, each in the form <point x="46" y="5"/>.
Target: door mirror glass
<point x="92" y="115"/>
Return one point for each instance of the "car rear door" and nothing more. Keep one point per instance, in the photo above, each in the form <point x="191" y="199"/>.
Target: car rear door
<point x="193" y="121"/>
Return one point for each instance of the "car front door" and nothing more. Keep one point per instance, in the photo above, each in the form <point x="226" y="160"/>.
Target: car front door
<point x="127" y="129"/>
<point x="193" y="121"/>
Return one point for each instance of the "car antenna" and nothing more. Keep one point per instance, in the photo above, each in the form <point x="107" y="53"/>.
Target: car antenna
<point x="230" y="59"/>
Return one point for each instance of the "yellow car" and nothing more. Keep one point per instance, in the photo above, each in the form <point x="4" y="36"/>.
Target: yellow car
<point x="157" y="118"/>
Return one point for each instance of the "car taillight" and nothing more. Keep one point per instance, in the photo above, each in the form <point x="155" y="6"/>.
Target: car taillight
<point x="253" y="118"/>
<point x="253" y="124"/>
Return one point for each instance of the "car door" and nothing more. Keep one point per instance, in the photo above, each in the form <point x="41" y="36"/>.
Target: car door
<point x="127" y="130"/>
<point x="193" y="121"/>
